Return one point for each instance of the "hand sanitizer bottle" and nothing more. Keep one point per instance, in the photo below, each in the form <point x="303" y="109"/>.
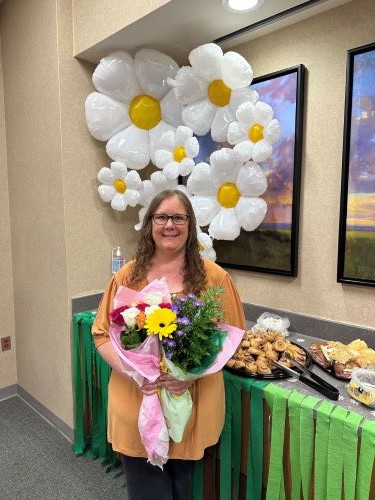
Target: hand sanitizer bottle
<point x="118" y="259"/>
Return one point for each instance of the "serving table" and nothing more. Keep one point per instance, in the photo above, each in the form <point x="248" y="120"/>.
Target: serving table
<point x="281" y="439"/>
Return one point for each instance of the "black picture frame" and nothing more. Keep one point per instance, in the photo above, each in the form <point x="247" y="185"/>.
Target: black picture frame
<point x="356" y="245"/>
<point x="273" y="247"/>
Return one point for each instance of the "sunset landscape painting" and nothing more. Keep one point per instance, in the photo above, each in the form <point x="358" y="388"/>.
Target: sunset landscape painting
<point x="356" y="261"/>
<point x="273" y="246"/>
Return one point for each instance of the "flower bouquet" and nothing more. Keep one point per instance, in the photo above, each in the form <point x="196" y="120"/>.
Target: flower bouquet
<point x="152" y="335"/>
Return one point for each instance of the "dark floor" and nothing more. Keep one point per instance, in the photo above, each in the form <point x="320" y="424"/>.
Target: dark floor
<point x="37" y="461"/>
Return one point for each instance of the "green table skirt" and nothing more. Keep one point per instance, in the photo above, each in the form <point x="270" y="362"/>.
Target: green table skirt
<point x="326" y="459"/>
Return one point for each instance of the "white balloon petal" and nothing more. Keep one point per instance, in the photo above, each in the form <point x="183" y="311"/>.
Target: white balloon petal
<point x="251" y="212"/>
<point x="106" y="193"/>
<point x="171" y="109"/>
<point x="219" y="128"/>
<point x="272" y="132"/>
<point x="162" y="158"/>
<point x="188" y="86"/>
<point x="186" y="166"/>
<point x="206" y="60"/>
<point x="252" y="181"/>
<point x="246" y="113"/>
<point x="262" y="151"/>
<point x="183" y="134"/>
<point x="244" y="150"/>
<point x="192" y="147"/>
<point x="105" y="175"/>
<point x="198" y="116"/>
<point x="118" y="169"/>
<point x="114" y="76"/>
<point x="171" y="171"/>
<point x="236" y="133"/>
<point x="236" y="71"/>
<point x="263" y="112"/>
<point x="130" y="146"/>
<point x="239" y="96"/>
<point x="155" y="136"/>
<point x="133" y="180"/>
<point x="132" y="197"/>
<point x="200" y="180"/>
<point x="105" y="116"/>
<point x="204" y="209"/>
<point x="119" y="203"/>
<point x="153" y="68"/>
<point x="225" y="226"/>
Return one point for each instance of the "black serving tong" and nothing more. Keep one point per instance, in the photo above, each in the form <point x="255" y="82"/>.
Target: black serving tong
<point x="309" y="378"/>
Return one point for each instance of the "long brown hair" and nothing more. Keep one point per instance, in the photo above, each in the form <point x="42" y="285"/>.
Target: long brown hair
<point x="193" y="272"/>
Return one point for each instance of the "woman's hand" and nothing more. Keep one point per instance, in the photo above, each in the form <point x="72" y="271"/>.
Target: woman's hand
<point x="148" y="388"/>
<point x="173" y="385"/>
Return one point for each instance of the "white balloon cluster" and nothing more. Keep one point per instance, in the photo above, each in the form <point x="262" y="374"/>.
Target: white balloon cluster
<point x="150" y="110"/>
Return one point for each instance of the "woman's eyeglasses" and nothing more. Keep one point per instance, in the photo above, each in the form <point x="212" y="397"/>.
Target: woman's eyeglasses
<point x="178" y="219"/>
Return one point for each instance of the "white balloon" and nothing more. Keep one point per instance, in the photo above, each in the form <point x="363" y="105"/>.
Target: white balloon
<point x="204" y="209"/>
<point x="198" y="116"/>
<point x="251" y="212"/>
<point x="171" y="109"/>
<point x="153" y="68"/>
<point x="131" y="146"/>
<point x="225" y="226"/>
<point x="206" y="60"/>
<point x="188" y="86"/>
<point x="115" y="76"/>
<point x="200" y="180"/>
<point x="219" y="128"/>
<point x="106" y="192"/>
<point x="105" y="116"/>
<point x="252" y="181"/>
<point x="236" y="71"/>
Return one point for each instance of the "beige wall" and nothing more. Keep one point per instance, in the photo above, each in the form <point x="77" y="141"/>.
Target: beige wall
<point x="96" y="21"/>
<point x="321" y="44"/>
<point x="62" y="234"/>
<point x="8" y="366"/>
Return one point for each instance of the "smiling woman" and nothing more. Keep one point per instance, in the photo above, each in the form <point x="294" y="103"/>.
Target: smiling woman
<point x="167" y="248"/>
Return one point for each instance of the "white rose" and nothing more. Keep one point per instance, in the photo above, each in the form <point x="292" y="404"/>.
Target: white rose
<point x="130" y="316"/>
<point x="151" y="309"/>
<point x="154" y="298"/>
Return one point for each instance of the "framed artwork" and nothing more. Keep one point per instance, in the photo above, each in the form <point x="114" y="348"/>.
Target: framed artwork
<point x="356" y="250"/>
<point x="273" y="246"/>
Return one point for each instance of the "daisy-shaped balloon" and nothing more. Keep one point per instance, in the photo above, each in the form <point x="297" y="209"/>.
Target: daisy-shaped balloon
<point x="226" y="194"/>
<point x="254" y="132"/>
<point x="177" y="152"/>
<point x="119" y="186"/>
<point x="133" y="104"/>
<point x="212" y="88"/>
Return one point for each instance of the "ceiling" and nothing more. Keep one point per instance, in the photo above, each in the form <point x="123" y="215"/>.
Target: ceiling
<point x="181" y="25"/>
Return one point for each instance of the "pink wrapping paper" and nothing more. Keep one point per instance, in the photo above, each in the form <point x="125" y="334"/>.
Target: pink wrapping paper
<point x="144" y="362"/>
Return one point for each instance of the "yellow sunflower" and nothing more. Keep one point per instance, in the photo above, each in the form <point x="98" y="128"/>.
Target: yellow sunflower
<point x="161" y="322"/>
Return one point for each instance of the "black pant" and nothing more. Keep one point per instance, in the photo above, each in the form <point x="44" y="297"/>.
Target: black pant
<point x="148" y="482"/>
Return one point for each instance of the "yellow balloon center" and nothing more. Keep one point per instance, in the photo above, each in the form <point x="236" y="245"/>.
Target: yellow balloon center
<point x="256" y="132"/>
<point x="219" y="93"/>
<point x="145" y="112"/>
<point x="228" y="195"/>
<point x="119" y="185"/>
<point x="179" y="153"/>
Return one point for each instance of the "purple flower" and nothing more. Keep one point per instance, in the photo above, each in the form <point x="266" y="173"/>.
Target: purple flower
<point x="191" y="296"/>
<point x="198" y="303"/>
<point x="183" y="321"/>
<point x="182" y="300"/>
<point x="171" y="343"/>
<point x="175" y="308"/>
<point x="169" y="355"/>
<point x="180" y="333"/>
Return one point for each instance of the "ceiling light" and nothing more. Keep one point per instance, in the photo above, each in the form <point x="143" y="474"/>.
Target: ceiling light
<point x="241" y="6"/>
